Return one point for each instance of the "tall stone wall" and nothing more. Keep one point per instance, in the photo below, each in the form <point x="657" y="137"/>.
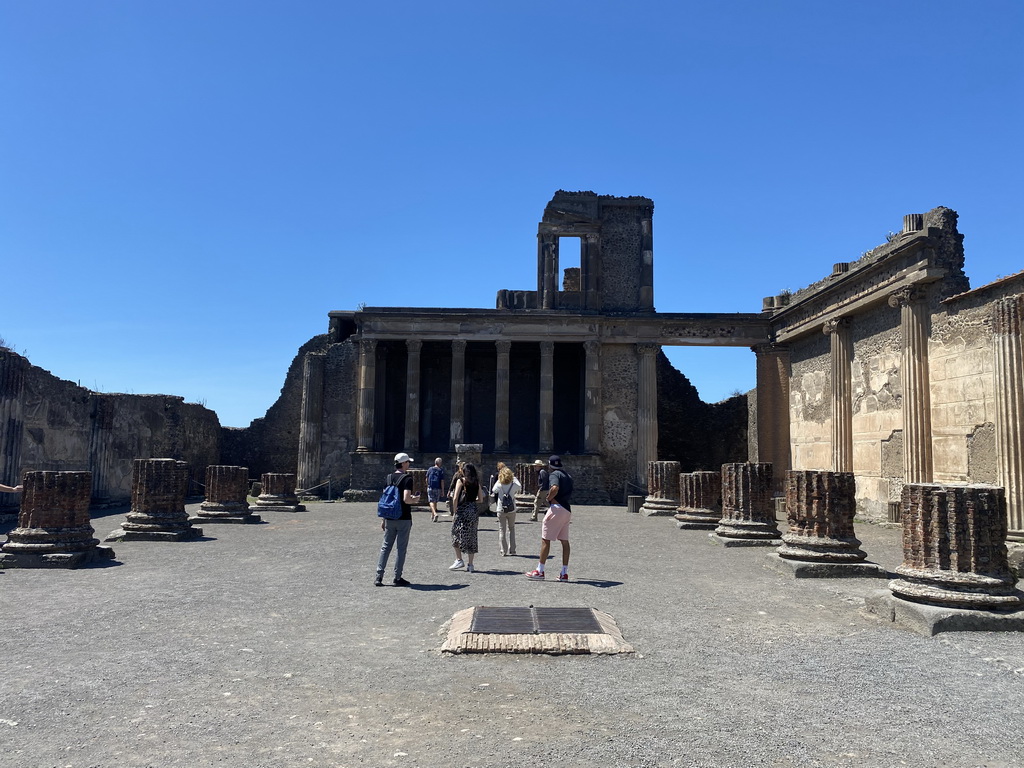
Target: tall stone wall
<point x="619" y="379"/>
<point x="341" y="394"/>
<point x="620" y="257"/>
<point x="809" y="403"/>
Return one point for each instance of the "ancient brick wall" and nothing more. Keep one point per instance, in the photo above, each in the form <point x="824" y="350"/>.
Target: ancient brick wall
<point x="341" y="398"/>
<point x="620" y="257"/>
<point x="619" y="376"/>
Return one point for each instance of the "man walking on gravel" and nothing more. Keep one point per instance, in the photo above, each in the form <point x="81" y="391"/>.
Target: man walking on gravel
<point x="556" y="521"/>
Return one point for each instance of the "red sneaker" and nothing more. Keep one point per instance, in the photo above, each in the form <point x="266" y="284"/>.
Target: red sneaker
<point x="536" y="575"/>
<point x="563" y="577"/>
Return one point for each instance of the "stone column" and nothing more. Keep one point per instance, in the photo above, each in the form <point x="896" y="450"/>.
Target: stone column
<point x="820" y="507"/>
<point x="501" y="415"/>
<point x="592" y="397"/>
<point x="954" y="547"/>
<point x="547" y="396"/>
<point x="773" y="374"/>
<point x="458" y="391"/>
<point x="54" y="530"/>
<point x="547" y="271"/>
<point x="590" y="261"/>
<point x="103" y="408"/>
<point x="367" y="382"/>
<point x="646" y="259"/>
<point x="748" y="514"/>
<point x="278" y="493"/>
<point x="12" y="424"/>
<point x="700" y="500"/>
<point x="838" y="332"/>
<point x="412" y="396"/>
<point x="310" y="424"/>
<point x="646" y="409"/>
<point x="529" y="477"/>
<point x="1009" y="395"/>
<point x="227" y="491"/>
<point x="662" y="489"/>
<point x="917" y="413"/>
<point x="158" y="503"/>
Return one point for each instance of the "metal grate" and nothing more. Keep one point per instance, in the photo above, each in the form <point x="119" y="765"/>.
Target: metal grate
<point x="532" y="621"/>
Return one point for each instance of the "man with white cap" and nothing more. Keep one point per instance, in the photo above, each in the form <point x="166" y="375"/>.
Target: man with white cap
<point x="397" y="530"/>
<point x="556" y="521"/>
<point x="541" y="502"/>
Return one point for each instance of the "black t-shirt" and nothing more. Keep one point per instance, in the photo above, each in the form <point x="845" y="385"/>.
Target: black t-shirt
<point x="561" y="478"/>
<point x="404" y="482"/>
<point x="542" y="480"/>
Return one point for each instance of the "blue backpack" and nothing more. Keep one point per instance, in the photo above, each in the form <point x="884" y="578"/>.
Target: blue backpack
<point x="390" y="505"/>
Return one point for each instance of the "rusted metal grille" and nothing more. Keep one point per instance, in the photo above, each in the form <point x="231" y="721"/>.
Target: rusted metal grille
<point x="531" y="621"/>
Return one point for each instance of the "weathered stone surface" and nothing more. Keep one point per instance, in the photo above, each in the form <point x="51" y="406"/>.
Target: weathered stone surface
<point x="820" y="508"/>
<point x="929" y="620"/>
<point x="803" y="569"/>
<point x="278" y="493"/>
<point x="700" y="500"/>
<point x="747" y="510"/>
<point x="158" y="503"/>
<point x="227" y="500"/>
<point x="662" y="489"/>
<point x="54" y="529"/>
<point x="529" y="477"/>
<point x="954" y="547"/>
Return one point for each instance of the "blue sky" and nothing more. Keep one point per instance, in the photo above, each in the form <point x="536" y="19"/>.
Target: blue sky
<point x="188" y="188"/>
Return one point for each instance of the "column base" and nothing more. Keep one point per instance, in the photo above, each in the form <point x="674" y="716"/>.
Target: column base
<point x="240" y="518"/>
<point x="659" y="507"/>
<point x="688" y="520"/>
<point x="730" y="543"/>
<point x="802" y="569"/>
<point x="278" y="508"/>
<point x="188" y="534"/>
<point x="929" y="620"/>
<point x="56" y="559"/>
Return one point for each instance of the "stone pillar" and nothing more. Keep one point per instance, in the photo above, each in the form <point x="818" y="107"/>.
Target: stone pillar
<point x="662" y="489"/>
<point x="158" y="503"/>
<point x="419" y="486"/>
<point x="954" y="547"/>
<point x="590" y="261"/>
<point x="547" y="396"/>
<point x="820" y="507"/>
<point x="310" y="424"/>
<point x="592" y="397"/>
<point x="529" y="477"/>
<point x="646" y="259"/>
<point x="227" y="490"/>
<point x="103" y="408"/>
<point x="412" y="395"/>
<point x="748" y="514"/>
<point x="1009" y="395"/>
<point x="917" y="412"/>
<point x="458" y="392"/>
<point x="278" y="493"/>
<point x="700" y="500"/>
<point x="773" y="374"/>
<point x="646" y="409"/>
<point x="838" y="332"/>
<point x="12" y="423"/>
<point x="54" y="530"/>
<point x="547" y="271"/>
<point x="501" y="410"/>
<point x="367" y="382"/>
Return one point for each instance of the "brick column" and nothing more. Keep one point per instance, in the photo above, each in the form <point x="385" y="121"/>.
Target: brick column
<point x="501" y="415"/>
<point x="773" y="373"/>
<point x="547" y="396"/>
<point x="367" y="382"/>
<point x="458" y="392"/>
<point x="547" y="271"/>
<point x="954" y="547"/>
<point x="646" y="409"/>
<point x="662" y="489"/>
<point x="278" y="493"/>
<point x="700" y="500"/>
<point x="227" y="492"/>
<point x="310" y="424"/>
<point x="838" y="332"/>
<point x="1009" y="395"/>
<point x="592" y="397"/>
<point x="748" y="514"/>
<point x="820" y="507"/>
<point x="12" y="424"/>
<point x="158" y="503"/>
<point x="529" y="477"/>
<point x="412" y="395"/>
<point x="917" y="414"/>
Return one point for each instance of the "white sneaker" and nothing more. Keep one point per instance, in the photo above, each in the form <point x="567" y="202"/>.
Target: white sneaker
<point x="470" y="568"/>
<point x="456" y="565"/>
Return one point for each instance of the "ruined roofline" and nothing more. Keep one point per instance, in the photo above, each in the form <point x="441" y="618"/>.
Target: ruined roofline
<point x="997" y="283"/>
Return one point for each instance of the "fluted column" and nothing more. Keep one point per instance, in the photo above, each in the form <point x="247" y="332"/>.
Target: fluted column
<point x="700" y="500"/>
<point x="590" y="261"/>
<point x="1009" y="395"/>
<point x="662" y="489"/>
<point x="646" y="259"/>
<point x="954" y="547"/>
<point x="646" y="409"/>
<point x="773" y="373"/>
<point x="12" y="424"/>
<point x="501" y="415"/>
<point x="367" y="382"/>
<point x="592" y="397"/>
<point x="529" y="478"/>
<point x="547" y="396"/>
<point x="917" y="414"/>
<point x="838" y="332"/>
<point x="458" y="392"/>
<point x="158" y="503"/>
<point x="547" y="271"/>
<point x="101" y="435"/>
<point x="820" y="507"/>
<point x="310" y="422"/>
<point x="412" y="395"/>
<point x="748" y="514"/>
<point x="227" y="496"/>
<point x="278" y="493"/>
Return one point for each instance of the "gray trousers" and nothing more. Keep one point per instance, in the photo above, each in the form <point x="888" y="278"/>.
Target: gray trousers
<point x="394" y="531"/>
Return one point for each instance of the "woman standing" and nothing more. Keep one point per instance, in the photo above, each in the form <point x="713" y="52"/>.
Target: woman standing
<point x="504" y="490"/>
<point x="465" y="495"/>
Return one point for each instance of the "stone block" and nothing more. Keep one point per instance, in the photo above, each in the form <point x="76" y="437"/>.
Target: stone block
<point x="930" y="620"/>
<point x="800" y="569"/>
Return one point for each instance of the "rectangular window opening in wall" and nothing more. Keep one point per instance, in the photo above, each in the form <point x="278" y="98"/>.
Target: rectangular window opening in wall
<point x="569" y="262"/>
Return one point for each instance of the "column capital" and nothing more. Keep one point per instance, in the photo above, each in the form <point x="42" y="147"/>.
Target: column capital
<point x="1007" y="315"/>
<point x="503" y="347"/>
<point x="905" y="296"/>
<point x="459" y="345"/>
<point x="414" y="345"/>
<point x="368" y="346"/>
<point x="835" y="325"/>
<point x="592" y="347"/>
<point x="547" y="347"/>
<point x="646" y="349"/>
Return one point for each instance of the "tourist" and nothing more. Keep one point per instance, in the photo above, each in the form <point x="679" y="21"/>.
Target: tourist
<point x="451" y="488"/>
<point x="11" y="489"/>
<point x="397" y="530"/>
<point x="541" y="501"/>
<point x="556" y="521"/>
<point x="504" y="491"/>
<point x="435" y="487"/>
<point x="465" y="495"/>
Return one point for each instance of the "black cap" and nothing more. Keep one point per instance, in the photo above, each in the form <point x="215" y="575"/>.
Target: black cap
<point x="555" y="461"/>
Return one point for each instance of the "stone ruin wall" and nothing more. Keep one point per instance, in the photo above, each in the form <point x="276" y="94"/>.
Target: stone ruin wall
<point x="66" y="427"/>
<point x="810" y="410"/>
<point x="619" y="381"/>
<point x="620" y="238"/>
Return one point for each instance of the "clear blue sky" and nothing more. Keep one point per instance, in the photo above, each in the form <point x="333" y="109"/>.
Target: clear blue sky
<point x="187" y="187"/>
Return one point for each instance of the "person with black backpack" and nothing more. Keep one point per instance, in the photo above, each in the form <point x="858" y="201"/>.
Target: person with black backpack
<point x="556" y="521"/>
<point x="504" y="490"/>
<point x="397" y="530"/>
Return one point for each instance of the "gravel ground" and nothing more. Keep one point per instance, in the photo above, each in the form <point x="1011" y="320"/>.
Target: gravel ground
<point x="267" y="645"/>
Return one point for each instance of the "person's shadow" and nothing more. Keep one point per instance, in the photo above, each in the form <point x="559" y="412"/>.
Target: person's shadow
<point x="436" y="587"/>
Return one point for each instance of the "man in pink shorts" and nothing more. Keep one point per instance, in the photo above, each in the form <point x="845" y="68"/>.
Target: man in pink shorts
<point x="556" y="521"/>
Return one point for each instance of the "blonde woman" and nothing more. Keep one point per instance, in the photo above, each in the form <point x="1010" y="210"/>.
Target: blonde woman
<point x="505" y="490"/>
